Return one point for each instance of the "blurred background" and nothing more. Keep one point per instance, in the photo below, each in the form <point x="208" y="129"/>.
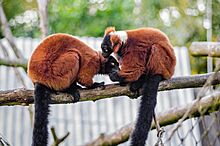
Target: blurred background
<point x="183" y="21"/>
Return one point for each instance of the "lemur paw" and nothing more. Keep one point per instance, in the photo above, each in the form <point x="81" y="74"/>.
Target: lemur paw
<point x="98" y="85"/>
<point x="121" y="83"/>
<point x="75" y="96"/>
<point x="115" y="77"/>
<point x="135" y="95"/>
<point x="135" y="89"/>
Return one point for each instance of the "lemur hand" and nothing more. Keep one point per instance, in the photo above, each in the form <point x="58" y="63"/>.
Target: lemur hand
<point x="97" y="85"/>
<point x="114" y="76"/>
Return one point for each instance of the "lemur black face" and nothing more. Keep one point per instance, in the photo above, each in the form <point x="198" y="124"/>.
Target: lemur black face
<point x="106" y="46"/>
<point x="111" y="65"/>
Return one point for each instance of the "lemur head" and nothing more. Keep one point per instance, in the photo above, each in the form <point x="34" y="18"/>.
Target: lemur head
<point x="109" y="65"/>
<point x="113" y="40"/>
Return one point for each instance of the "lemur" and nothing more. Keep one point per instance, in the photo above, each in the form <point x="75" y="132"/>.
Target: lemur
<point x="58" y="63"/>
<point x="146" y="57"/>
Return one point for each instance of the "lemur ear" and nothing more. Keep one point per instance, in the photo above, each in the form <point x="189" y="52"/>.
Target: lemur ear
<point x="116" y="42"/>
<point x="109" y="30"/>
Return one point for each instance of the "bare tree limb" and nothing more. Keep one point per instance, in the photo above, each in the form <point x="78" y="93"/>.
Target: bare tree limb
<point x="42" y="6"/>
<point x="25" y="97"/>
<point x="9" y="37"/>
<point x="14" y="63"/>
<point x="4" y="50"/>
<point x="206" y="105"/>
<point x="7" y="33"/>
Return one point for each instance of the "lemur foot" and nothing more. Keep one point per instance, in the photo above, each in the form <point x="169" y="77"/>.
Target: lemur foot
<point x="98" y="85"/>
<point x="135" y="89"/>
<point x="75" y="96"/>
<point x="73" y="91"/>
<point x="135" y="94"/>
<point x="115" y="77"/>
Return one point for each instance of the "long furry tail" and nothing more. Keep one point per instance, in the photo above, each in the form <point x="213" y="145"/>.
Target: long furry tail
<point x="146" y="111"/>
<point x="42" y="99"/>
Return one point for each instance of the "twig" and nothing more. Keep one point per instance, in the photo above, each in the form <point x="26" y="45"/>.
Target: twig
<point x="57" y="140"/>
<point x="3" y="142"/>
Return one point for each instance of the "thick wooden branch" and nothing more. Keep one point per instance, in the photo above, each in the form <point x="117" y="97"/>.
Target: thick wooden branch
<point x="14" y="63"/>
<point x="206" y="105"/>
<point x="25" y="97"/>
<point x="211" y="49"/>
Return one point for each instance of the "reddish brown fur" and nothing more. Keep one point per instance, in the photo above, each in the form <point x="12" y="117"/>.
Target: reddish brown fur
<point x="146" y="50"/>
<point x="117" y="42"/>
<point x="60" y="59"/>
<point x="109" y="29"/>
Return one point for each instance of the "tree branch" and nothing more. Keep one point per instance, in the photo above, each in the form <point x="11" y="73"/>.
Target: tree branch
<point x="42" y="6"/>
<point x="7" y="32"/>
<point x="14" y="63"/>
<point x="207" y="105"/>
<point x="25" y="97"/>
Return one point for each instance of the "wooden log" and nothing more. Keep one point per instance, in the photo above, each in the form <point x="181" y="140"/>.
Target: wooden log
<point x="211" y="49"/>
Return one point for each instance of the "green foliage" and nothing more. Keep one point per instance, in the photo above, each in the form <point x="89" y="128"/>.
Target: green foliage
<point x="14" y="8"/>
<point x="182" y="20"/>
<point x="216" y="20"/>
<point x="83" y="18"/>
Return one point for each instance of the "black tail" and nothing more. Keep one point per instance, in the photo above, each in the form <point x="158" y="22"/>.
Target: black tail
<point x="146" y="111"/>
<point x="42" y="99"/>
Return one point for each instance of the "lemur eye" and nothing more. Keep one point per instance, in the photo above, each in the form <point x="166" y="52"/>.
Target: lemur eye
<point x="106" y="50"/>
<point x="113" y="64"/>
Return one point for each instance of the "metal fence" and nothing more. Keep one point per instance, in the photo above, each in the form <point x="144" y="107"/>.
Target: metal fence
<point x="85" y="121"/>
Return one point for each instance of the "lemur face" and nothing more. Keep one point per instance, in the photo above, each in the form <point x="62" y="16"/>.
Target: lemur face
<point x="106" y="46"/>
<point x="111" y="65"/>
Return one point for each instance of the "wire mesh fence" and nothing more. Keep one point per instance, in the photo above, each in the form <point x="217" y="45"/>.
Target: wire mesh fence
<point x="203" y="131"/>
<point x="206" y="119"/>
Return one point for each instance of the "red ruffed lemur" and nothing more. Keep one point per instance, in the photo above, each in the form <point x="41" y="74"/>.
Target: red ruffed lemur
<point x="58" y="63"/>
<point x="146" y="57"/>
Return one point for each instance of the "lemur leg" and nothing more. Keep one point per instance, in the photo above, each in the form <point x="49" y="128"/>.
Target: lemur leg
<point x="73" y="90"/>
<point x="124" y="77"/>
<point x="114" y="76"/>
<point x="88" y="82"/>
<point x="132" y="67"/>
<point x="137" y="85"/>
